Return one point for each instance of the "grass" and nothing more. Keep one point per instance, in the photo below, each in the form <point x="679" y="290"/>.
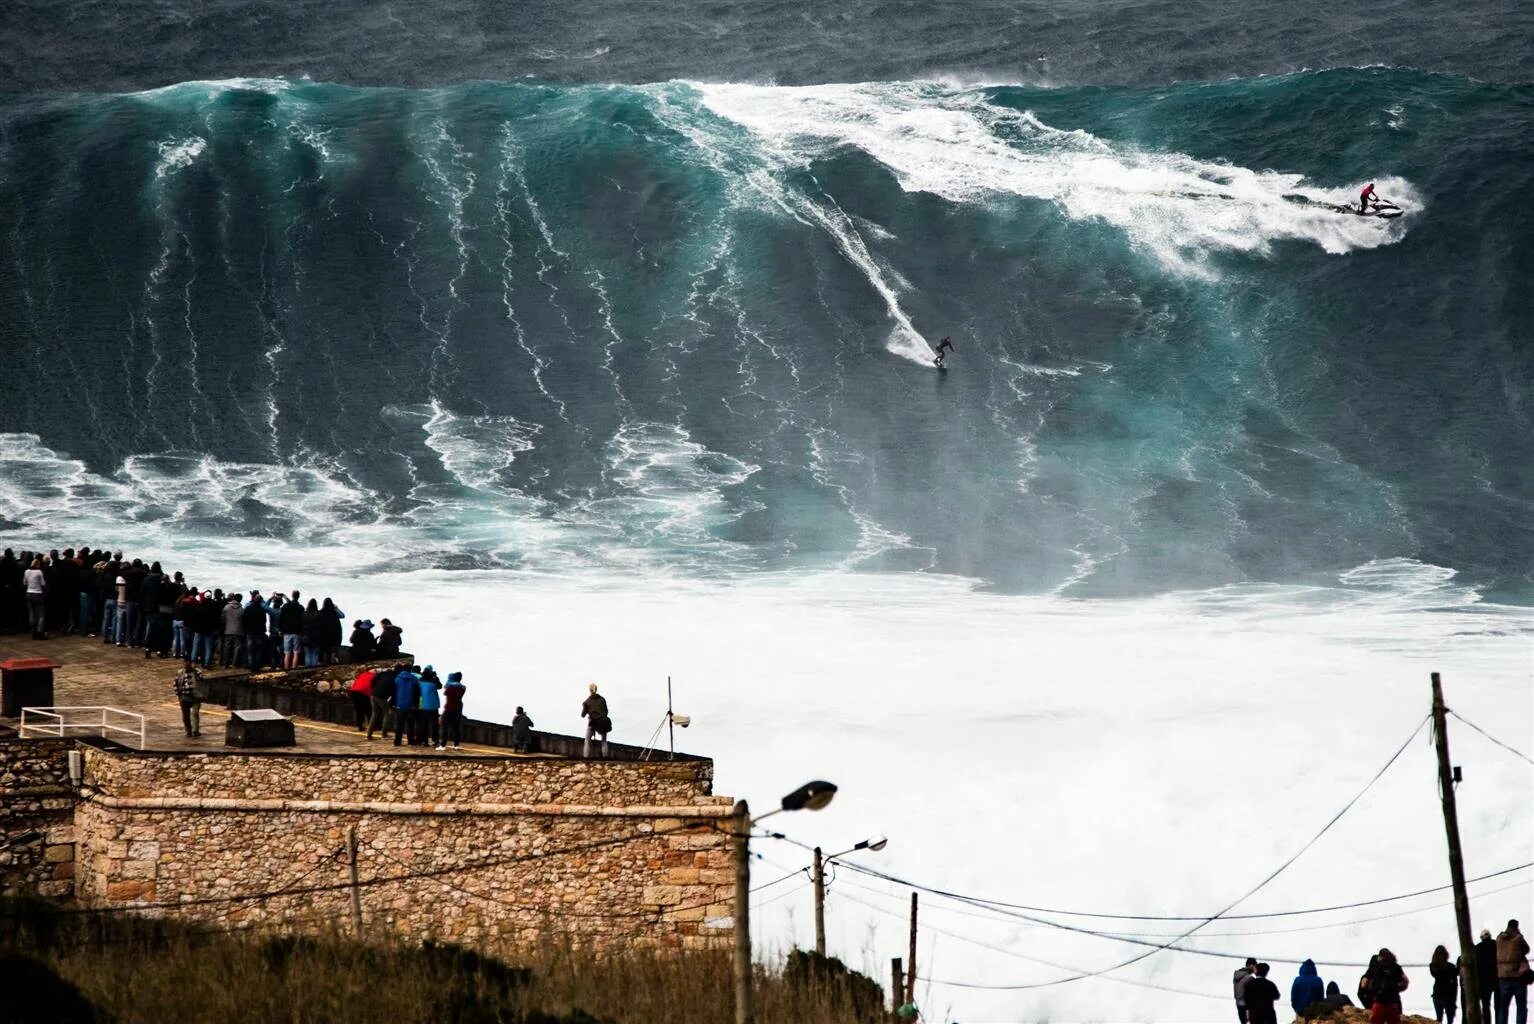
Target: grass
<point x="69" y="968"/>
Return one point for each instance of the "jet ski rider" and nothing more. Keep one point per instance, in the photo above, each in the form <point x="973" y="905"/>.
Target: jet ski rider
<point x="1367" y="199"/>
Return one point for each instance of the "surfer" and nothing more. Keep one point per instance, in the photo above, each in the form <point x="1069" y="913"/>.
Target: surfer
<point x="1367" y="199"/>
<point x="943" y="348"/>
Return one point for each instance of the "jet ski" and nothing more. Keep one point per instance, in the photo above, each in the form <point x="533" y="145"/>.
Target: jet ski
<point x="1384" y="209"/>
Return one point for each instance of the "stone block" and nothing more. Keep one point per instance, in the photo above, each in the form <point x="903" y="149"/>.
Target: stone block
<point x="716" y="876"/>
<point x="131" y="889"/>
<point x="682" y="876"/>
<point x="64" y="870"/>
<point x="59" y="854"/>
<point x="661" y="895"/>
<point x="137" y="869"/>
<point x="144" y="850"/>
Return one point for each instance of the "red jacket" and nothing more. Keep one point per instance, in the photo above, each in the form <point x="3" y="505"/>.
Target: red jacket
<point x="363" y="684"/>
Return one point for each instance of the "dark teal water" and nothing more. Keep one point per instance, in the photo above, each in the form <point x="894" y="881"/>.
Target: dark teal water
<point x="683" y="327"/>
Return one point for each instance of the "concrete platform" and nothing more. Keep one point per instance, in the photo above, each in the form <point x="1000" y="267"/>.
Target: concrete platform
<point x="95" y="673"/>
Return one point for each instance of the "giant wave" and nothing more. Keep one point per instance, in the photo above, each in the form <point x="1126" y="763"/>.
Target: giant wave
<point x="685" y="328"/>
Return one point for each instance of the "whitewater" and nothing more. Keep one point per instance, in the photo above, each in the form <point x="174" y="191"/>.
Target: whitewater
<point x="620" y="382"/>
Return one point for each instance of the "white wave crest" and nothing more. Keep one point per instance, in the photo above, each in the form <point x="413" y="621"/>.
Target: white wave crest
<point x="961" y="146"/>
<point x="178" y="153"/>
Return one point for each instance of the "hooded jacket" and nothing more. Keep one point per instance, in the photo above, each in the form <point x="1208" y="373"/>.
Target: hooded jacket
<point x="1307" y="988"/>
<point x="407" y="691"/>
<point x="431" y="695"/>
<point x="231" y="618"/>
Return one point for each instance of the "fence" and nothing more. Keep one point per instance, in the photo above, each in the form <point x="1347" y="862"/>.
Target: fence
<point x="63" y="721"/>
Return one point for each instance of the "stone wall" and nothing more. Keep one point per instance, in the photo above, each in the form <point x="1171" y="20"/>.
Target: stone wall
<point x="36" y="797"/>
<point x="492" y="852"/>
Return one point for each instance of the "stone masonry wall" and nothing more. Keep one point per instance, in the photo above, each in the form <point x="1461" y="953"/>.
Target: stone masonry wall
<point x="35" y="796"/>
<point x="492" y="852"/>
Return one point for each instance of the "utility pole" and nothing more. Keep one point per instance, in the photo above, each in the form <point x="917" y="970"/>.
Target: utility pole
<point x="351" y="866"/>
<point x="910" y="976"/>
<point x="820" y="904"/>
<point x="744" y="1013"/>
<point x="670" y="720"/>
<point x="897" y="980"/>
<point x="1469" y="977"/>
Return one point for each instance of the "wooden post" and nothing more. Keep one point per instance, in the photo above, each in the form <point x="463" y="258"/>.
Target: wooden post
<point x="897" y="982"/>
<point x="351" y="865"/>
<point x="744" y="1013"/>
<point x="910" y="974"/>
<point x="1469" y="976"/>
<point x="820" y="904"/>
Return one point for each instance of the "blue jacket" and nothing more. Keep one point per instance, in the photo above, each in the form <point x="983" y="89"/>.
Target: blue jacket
<point x="407" y="691"/>
<point x="431" y="696"/>
<point x="1307" y="988"/>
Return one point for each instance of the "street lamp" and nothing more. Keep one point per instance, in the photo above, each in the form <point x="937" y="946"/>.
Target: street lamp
<point x="812" y="796"/>
<point x="876" y="844"/>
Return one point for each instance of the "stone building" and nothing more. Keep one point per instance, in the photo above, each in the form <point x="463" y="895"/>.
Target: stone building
<point x="484" y="849"/>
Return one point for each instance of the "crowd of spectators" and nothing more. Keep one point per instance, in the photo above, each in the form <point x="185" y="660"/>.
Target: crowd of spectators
<point x="137" y="604"/>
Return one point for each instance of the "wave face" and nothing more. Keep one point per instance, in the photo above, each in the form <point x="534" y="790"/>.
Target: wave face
<point x="685" y="328"/>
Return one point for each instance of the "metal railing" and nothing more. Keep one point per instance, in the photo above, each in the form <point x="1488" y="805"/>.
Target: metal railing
<point x="67" y="721"/>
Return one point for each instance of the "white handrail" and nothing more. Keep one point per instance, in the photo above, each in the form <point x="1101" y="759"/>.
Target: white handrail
<point x="98" y="712"/>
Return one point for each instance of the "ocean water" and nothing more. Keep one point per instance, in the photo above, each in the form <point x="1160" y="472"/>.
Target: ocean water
<point x="600" y="347"/>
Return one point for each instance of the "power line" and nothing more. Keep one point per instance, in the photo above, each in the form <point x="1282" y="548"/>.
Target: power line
<point x="982" y="901"/>
<point x="986" y="913"/>
<point x="900" y="915"/>
<point x="1154" y="946"/>
<point x="1483" y="732"/>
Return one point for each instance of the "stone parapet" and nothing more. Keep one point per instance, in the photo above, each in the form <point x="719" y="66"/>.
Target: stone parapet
<point x="495" y="853"/>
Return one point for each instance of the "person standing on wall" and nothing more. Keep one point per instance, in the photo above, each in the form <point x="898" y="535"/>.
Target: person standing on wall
<point x="362" y="641"/>
<point x="390" y="637"/>
<point x="521" y="731"/>
<point x="594" y="710"/>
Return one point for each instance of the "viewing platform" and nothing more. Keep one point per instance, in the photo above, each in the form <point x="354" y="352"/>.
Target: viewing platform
<point x="483" y="846"/>
<point x="93" y="674"/>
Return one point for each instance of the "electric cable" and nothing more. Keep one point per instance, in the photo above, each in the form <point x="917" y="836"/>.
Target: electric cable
<point x="1159" y="947"/>
<point x="987" y="914"/>
<point x="1512" y="750"/>
<point x="1020" y="956"/>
